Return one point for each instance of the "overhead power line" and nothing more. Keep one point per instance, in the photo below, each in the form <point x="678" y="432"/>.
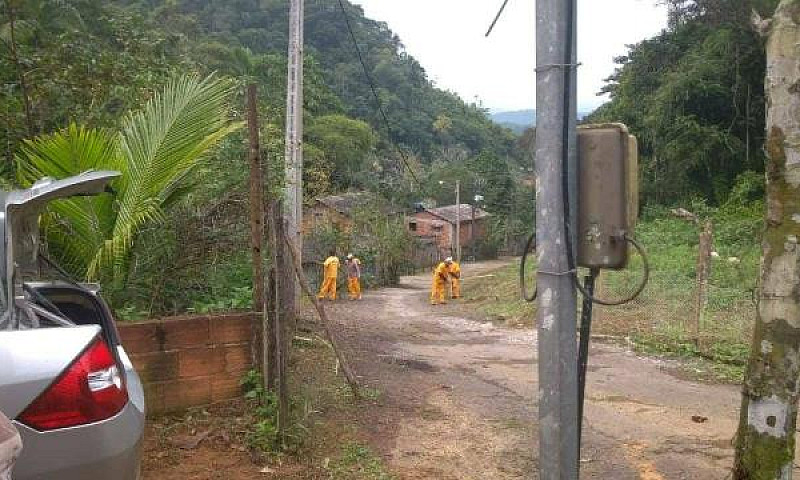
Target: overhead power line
<point x="496" y="18"/>
<point x="375" y="93"/>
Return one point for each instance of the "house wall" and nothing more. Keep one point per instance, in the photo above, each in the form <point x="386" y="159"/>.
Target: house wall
<point x="427" y="227"/>
<point x="191" y="361"/>
<point x="425" y="222"/>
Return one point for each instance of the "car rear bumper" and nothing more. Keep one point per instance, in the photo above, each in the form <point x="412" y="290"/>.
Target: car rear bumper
<point x="110" y="449"/>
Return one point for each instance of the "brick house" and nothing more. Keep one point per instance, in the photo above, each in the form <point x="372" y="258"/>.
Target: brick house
<point x="439" y="225"/>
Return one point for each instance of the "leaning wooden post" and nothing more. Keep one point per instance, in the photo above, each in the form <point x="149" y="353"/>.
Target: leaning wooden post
<point x="326" y="323"/>
<point x="765" y="440"/>
<point x="703" y="273"/>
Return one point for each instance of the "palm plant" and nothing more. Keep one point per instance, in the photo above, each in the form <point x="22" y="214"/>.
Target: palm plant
<point x="157" y="151"/>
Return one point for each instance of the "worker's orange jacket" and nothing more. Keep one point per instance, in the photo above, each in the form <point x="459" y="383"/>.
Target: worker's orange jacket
<point x="331" y="267"/>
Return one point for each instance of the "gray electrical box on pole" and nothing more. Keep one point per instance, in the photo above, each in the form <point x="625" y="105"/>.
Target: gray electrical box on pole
<point x="556" y="312"/>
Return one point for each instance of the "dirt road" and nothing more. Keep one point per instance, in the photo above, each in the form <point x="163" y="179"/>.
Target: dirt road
<point x="458" y="398"/>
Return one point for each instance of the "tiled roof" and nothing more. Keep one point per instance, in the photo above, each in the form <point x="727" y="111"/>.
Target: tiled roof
<point x="450" y="213"/>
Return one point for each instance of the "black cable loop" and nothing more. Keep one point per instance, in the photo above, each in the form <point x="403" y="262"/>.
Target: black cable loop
<point x="522" y="285"/>
<point x="636" y="293"/>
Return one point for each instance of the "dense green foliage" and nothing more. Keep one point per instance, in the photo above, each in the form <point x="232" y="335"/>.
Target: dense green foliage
<point x="222" y="29"/>
<point x="85" y="63"/>
<point x="157" y="151"/>
<point x="694" y="96"/>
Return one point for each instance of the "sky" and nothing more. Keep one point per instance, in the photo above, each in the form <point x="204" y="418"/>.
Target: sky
<point x="447" y="38"/>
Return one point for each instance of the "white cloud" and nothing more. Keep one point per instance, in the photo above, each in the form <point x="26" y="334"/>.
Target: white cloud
<point x="447" y="37"/>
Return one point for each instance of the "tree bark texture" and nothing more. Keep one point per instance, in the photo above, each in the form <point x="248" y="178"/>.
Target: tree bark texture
<point x="765" y="438"/>
<point x="256" y="199"/>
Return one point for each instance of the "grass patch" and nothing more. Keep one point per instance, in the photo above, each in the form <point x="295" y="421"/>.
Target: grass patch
<point x="719" y="362"/>
<point x="496" y="296"/>
<point x="358" y="462"/>
<point x="658" y="321"/>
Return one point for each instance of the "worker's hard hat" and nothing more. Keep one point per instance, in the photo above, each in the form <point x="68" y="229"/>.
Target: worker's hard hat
<point x="448" y="260"/>
<point x="349" y="256"/>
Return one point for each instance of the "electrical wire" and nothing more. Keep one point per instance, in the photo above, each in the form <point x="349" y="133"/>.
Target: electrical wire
<point x="375" y="93"/>
<point x="496" y="18"/>
<point x="583" y="346"/>
<point x="522" y="282"/>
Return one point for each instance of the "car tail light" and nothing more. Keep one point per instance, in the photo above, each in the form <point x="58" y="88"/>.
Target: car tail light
<point x="90" y="390"/>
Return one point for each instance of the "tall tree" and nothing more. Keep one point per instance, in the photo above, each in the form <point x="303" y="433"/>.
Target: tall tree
<point x="765" y="441"/>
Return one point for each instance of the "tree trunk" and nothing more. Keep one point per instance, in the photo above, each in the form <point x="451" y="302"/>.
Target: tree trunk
<point x="765" y="439"/>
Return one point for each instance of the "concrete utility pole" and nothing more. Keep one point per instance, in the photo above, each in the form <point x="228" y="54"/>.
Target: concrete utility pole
<point x="294" y="137"/>
<point x="556" y="312"/>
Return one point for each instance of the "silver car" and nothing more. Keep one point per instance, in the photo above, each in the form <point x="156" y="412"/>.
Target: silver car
<point x="64" y="377"/>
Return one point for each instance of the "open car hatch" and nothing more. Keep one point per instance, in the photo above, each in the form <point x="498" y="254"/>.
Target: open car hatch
<point x="19" y="228"/>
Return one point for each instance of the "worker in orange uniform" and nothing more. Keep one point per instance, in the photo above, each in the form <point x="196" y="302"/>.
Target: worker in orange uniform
<point x="455" y="280"/>
<point x="353" y="276"/>
<point x="440" y="278"/>
<point x="330" y="273"/>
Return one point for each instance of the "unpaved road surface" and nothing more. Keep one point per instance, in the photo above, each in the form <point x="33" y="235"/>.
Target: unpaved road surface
<point x="457" y="398"/>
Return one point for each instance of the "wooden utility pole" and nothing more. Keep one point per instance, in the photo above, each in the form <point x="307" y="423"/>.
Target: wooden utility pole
<point x="256" y="199"/>
<point x="294" y="138"/>
<point x="765" y="440"/>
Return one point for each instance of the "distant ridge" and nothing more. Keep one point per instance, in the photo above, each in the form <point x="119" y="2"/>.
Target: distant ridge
<point x="516" y="121"/>
<point x="519" y="120"/>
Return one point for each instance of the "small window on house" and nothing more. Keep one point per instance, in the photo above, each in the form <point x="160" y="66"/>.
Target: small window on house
<point x="437" y="228"/>
<point x="412" y="226"/>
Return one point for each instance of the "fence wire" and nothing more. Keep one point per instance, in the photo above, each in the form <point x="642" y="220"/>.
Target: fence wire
<point x="667" y="316"/>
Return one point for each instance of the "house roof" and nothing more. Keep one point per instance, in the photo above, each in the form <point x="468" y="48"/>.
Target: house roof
<point x="346" y="203"/>
<point x="450" y="213"/>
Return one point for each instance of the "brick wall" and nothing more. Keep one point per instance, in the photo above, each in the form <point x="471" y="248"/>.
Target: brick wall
<point x="191" y="361"/>
<point x="429" y="225"/>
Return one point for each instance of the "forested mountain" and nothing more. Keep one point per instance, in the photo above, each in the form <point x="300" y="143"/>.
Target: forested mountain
<point x="694" y="96"/>
<point x="84" y="59"/>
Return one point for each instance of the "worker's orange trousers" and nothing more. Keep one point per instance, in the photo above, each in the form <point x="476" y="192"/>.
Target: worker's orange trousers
<point x="438" y="291"/>
<point x="354" y="287"/>
<point x="455" y="287"/>
<point x="328" y="289"/>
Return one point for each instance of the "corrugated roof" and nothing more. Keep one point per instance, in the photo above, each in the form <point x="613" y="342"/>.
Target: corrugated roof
<point x="450" y="212"/>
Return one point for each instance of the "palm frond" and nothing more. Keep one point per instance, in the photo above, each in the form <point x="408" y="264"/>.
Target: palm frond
<point x="156" y="151"/>
<point x="160" y="146"/>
